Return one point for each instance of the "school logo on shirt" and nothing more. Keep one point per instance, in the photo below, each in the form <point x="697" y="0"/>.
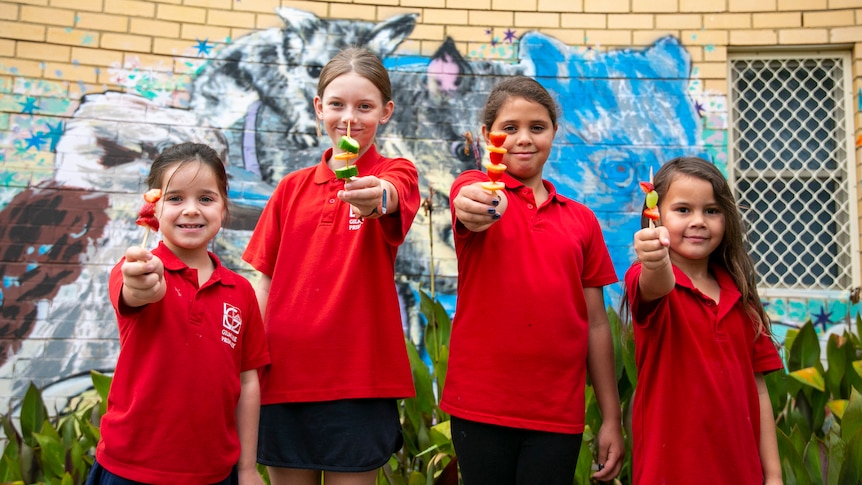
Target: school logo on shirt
<point x="231" y="323"/>
<point x="354" y="222"/>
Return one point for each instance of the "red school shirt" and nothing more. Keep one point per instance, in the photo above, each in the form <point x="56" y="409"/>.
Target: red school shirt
<point x="519" y="338"/>
<point x="332" y="317"/>
<point x="696" y="413"/>
<point x="172" y="407"/>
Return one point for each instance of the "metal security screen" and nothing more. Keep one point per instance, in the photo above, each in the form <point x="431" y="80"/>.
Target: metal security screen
<point x="791" y="167"/>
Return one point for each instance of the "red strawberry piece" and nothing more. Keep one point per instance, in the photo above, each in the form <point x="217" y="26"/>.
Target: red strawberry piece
<point x="497" y="138"/>
<point x="647" y="187"/>
<point x="652" y="213"/>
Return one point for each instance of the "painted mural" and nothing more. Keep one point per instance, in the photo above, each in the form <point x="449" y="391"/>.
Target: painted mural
<point x="72" y="171"/>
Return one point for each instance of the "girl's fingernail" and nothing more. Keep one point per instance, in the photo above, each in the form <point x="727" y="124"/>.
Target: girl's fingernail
<point x="495" y="202"/>
<point x="495" y="216"/>
<point x="492" y="210"/>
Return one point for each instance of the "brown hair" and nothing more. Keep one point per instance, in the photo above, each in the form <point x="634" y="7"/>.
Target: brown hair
<point x="186" y="153"/>
<point x="361" y="61"/>
<point x="732" y="253"/>
<point x="521" y="87"/>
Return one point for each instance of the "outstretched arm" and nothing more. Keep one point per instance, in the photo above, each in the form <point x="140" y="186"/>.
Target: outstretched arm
<point x="656" y="279"/>
<point x="600" y="364"/>
<point x="769" y="459"/>
<point x="143" y="278"/>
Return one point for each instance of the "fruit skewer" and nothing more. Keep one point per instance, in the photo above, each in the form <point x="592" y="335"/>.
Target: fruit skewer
<point x="495" y="165"/>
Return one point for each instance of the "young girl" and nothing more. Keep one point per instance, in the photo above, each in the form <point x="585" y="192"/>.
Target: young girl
<point x="184" y="402"/>
<point x="701" y="409"/>
<point x="530" y="317"/>
<point x="326" y="251"/>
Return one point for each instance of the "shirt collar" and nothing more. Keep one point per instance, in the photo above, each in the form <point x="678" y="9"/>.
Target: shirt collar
<point x="173" y="263"/>
<point x="514" y="184"/>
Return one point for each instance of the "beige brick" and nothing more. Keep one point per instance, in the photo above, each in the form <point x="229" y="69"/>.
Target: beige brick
<point x="239" y="33"/>
<point x="228" y="18"/>
<point x="378" y="3"/>
<point x="72" y="37"/>
<point x="718" y="86"/>
<point x="775" y="20"/>
<point x="96" y="57"/>
<point x="654" y="6"/>
<point x="385" y="13"/>
<point x="491" y="19"/>
<point x="834" y="18"/>
<point x="716" y="54"/>
<point x="679" y="21"/>
<point x="445" y="16"/>
<point x="352" y="11"/>
<point x="133" y="8"/>
<point x="33" y="2"/>
<point x="205" y="32"/>
<point x="78" y="5"/>
<point x="265" y="21"/>
<point x="606" y="6"/>
<point x="22" y="31"/>
<point x="752" y="6"/>
<point x="21" y="67"/>
<point x="269" y="6"/>
<point x="643" y="38"/>
<point x="753" y="37"/>
<point x="181" y="14"/>
<point x="126" y="42"/>
<point x="705" y="37"/>
<point x="173" y="47"/>
<point x="155" y="28"/>
<point x="695" y="53"/>
<point x="566" y="36"/>
<point x="78" y="90"/>
<point x="422" y="3"/>
<point x="430" y="47"/>
<point x="535" y="20"/>
<point x="222" y="4"/>
<point x="103" y="22"/>
<point x="467" y="34"/>
<point x="429" y="32"/>
<point x="609" y="37"/>
<point x="784" y="5"/>
<point x="476" y="4"/>
<point x="47" y="16"/>
<point x="857" y="53"/>
<point x="515" y="5"/>
<point x="729" y="21"/>
<point x="7" y="48"/>
<point x="846" y="34"/>
<point x="8" y="11"/>
<point x="803" y="36"/>
<point x="69" y="72"/>
<point x="630" y="21"/>
<point x="712" y="70"/>
<point x="833" y="4"/>
<point x="584" y="21"/>
<point x="562" y="6"/>
<point x="43" y="52"/>
<point x="702" y="6"/>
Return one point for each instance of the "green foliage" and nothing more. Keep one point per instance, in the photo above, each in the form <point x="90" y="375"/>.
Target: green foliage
<point x="819" y="410"/>
<point x="51" y="450"/>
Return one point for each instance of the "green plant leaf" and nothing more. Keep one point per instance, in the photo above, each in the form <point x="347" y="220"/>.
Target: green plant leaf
<point x="10" y="468"/>
<point x="441" y="436"/>
<point x="810" y="376"/>
<point x="838" y="406"/>
<point x="421" y="379"/>
<point x="857" y="366"/>
<point x="838" y="363"/>
<point x="814" y="450"/>
<point x="851" y="469"/>
<point x="805" y="351"/>
<point x="438" y="326"/>
<point x="792" y="466"/>
<point x="102" y="383"/>
<point x="33" y="414"/>
<point x="51" y="453"/>
<point x="851" y="421"/>
<point x="617" y="333"/>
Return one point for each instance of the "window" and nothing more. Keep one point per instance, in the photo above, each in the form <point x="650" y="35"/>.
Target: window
<point x="791" y="167"/>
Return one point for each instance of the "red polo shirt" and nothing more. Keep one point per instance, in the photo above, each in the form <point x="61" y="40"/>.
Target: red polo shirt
<point x="172" y="407"/>
<point x="519" y="338"/>
<point x="333" y="317"/>
<point x="696" y="414"/>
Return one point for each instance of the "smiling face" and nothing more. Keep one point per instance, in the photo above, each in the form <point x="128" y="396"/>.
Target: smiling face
<point x="191" y="209"/>
<point x="352" y="98"/>
<point x="694" y="220"/>
<point x="530" y="133"/>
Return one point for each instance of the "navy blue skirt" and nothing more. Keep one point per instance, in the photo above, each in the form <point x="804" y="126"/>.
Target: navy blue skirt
<point x="348" y="436"/>
<point x="99" y="475"/>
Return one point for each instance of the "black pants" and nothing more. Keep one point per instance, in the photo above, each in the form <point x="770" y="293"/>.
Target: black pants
<point x="498" y="455"/>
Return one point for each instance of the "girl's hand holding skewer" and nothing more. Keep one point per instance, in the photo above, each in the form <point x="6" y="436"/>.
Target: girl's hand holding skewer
<point x="143" y="277"/>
